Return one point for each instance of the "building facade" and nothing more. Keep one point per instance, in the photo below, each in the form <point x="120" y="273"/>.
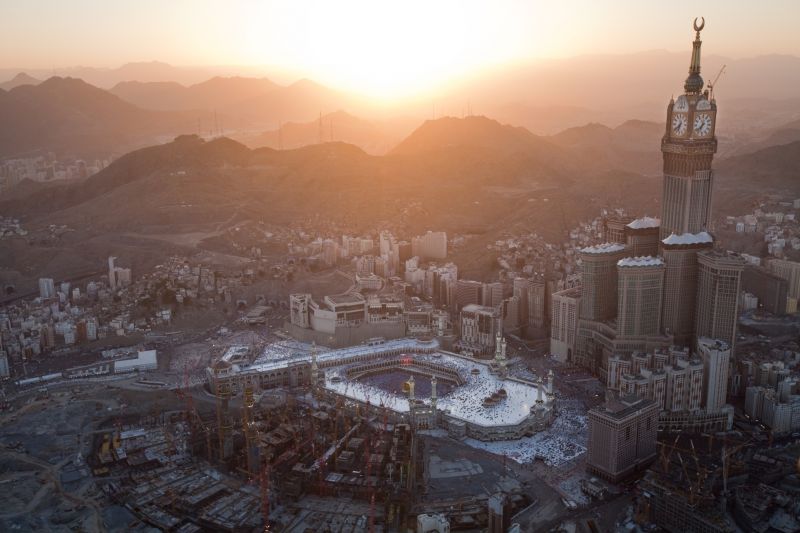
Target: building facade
<point x="718" y="285"/>
<point x="564" y="323"/>
<point x="622" y="437"/>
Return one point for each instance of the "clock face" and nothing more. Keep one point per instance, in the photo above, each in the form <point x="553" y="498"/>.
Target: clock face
<point x="679" y="123"/>
<point x="702" y="124"/>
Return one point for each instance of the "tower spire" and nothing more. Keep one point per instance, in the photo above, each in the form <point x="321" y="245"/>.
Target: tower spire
<point x="694" y="83"/>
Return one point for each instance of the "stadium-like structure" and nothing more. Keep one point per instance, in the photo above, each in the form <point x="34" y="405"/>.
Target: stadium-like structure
<point x="482" y="401"/>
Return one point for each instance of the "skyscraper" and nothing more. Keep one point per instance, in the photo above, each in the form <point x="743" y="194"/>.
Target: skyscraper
<point x="564" y="322"/>
<point x="432" y="245"/>
<point x="680" y="283"/>
<point x="641" y="236"/>
<point x="641" y="283"/>
<point x="718" y="285"/>
<point x="47" y="288"/>
<point x="112" y="274"/>
<point x="716" y="357"/>
<point x="599" y="272"/>
<point x="688" y="147"/>
<point x="622" y="437"/>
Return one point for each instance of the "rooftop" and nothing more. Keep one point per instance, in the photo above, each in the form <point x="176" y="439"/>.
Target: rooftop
<point x="475" y="308"/>
<point x="644" y="261"/>
<point x="622" y="407"/>
<point x="645" y="222"/>
<point x="605" y="248"/>
<point x="689" y="238"/>
<point x="349" y="298"/>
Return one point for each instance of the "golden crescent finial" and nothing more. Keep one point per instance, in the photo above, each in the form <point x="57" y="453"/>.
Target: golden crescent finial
<point x="699" y="28"/>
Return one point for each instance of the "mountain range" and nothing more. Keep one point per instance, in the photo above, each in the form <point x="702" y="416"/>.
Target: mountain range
<point x="756" y="98"/>
<point x="20" y="79"/>
<point x="492" y="178"/>
<point x="67" y="115"/>
<point x="242" y="101"/>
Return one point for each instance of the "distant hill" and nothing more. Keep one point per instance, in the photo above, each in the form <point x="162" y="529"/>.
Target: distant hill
<point x="302" y="101"/>
<point x="105" y="78"/>
<point x="337" y="126"/>
<point x="20" y="79"/>
<point x="239" y="101"/>
<point x="66" y="114"/>
<point x="632" y="146"/>
<point x="775" y="167"/>
<point x="473" y="131"/>
<point x="216" y="93"/>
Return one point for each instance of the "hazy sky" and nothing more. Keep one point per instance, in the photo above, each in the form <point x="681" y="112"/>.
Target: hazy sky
<point x="374" y="46"/>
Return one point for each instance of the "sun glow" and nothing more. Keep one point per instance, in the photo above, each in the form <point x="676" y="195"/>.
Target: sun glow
<point x="385" y="49"/>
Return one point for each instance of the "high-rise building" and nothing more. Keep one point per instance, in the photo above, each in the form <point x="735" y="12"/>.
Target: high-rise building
<point x="4" y="368"/>
<point x="537" y="303"/>
<point x="771" y="290"/>
<point x="614" y="228"/>
<point x="716" y="357"/>
<point x="642" y="237"/>
<point x="521" y="289"/>
<point x="112" y="275"/>
<point x="599" y="274"/>
<point x="47" y="288"/>
<point x="564" y="322"/>
<point x="718" y="285"/>
<point x="790" y="271"/>
<point x="622" y="437"/>
<point x="479" y="327"/>
<point x="432" y="245"/>
<point x="510" y="314"/>
<point x="679" y="253"/>
<point x="492" y="294"/>
<point x="640" y="286"/>
<point x="688" y="147"/>
<point x="468" y="292"/>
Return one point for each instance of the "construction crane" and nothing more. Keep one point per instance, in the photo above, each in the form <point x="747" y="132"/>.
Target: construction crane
<point x="726" y="454"/>
<point x="265" y="494"/>
<point x="665" y="457"/>
<point x="368" y="451"/>
<point x="713" y="84"/>
<point x="192" y="412"/>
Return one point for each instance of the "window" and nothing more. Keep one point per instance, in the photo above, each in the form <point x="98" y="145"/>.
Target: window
<point x="628" y="433"/>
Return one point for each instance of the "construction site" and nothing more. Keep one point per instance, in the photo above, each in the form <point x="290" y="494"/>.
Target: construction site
<point x="721" y="483"/>
<point x="291" y="459"/>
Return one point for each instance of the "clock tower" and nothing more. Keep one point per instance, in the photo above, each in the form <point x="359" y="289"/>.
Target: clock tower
<point x="689" y="145"/>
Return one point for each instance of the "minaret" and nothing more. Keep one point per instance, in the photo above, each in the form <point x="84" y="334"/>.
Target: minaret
<point x="500" y="355"/>
<point x="539" y="394"/>
<point x="411" y="389"/>
<point x="550" y="382"/>
<point x="433" y="401"/>
<point x="314" y="367"/>
<point x="498" y="346"/>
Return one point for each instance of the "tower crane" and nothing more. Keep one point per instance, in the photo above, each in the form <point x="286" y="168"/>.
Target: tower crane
<point x="713" y="84"/>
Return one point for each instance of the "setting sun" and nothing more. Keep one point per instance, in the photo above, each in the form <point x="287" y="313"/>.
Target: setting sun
<point x="384" y="49"/>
